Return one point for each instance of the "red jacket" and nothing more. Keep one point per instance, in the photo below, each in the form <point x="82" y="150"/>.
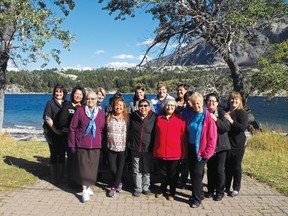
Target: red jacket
<point x="170" y="140"/>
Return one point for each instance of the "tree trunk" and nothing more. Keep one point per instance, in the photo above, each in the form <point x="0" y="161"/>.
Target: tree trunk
<point x="6" y="40"/>
<point x="4" y="57"/>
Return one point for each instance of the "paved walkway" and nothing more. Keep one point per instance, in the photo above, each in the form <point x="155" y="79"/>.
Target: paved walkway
<point x="44" y="198"/>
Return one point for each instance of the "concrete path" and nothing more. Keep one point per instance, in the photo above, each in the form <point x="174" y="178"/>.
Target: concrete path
<point x="44" y="198"/>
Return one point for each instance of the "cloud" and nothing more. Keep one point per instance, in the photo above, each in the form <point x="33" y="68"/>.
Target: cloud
<point x="147" y="42"/>
<point x="120" y="65"/>
<point x="97" y="52"/>
<point x="124" y="56"/>
<point x="78" y="67"/>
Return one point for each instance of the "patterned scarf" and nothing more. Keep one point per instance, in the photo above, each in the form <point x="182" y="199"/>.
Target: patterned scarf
<point x="91" y="114"/>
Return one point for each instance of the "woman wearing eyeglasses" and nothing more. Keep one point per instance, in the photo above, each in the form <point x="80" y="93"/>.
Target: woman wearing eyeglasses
<point x="141" y="140"/>
<point x="216" y="164"/>
<point x="85" y="141"/>
<point x="169" y="147"/>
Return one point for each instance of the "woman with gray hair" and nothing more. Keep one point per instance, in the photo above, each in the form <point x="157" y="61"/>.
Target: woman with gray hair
<point x="85" y="141"/>
<point x="169" y="146"/>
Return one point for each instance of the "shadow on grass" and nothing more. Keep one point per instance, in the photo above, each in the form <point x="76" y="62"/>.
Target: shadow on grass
<point x="38" y="168"/>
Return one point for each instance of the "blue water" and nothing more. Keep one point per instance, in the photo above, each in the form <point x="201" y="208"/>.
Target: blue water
<point x="26" y="110"/>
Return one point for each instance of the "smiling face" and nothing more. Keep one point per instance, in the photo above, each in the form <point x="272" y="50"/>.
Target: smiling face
<point x="144" y="108"/>
<point x="197" y="104"/>
<point x="100" y="96"/>
<point x="78" y="96"/>
<point x="212" y="103"/>
<point x="139" y="94"/>
<point x="119" y="107"/>
<point x="91" y="100"/>
<point x="170" y="107"/>
<point x="59" y="94"/>
<point x="235" y="102"/>
<point x="181" y="92"/>
<point x="162" y="92"/>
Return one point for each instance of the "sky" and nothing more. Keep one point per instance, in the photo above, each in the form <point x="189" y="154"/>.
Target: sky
<point x="100" y="40"/>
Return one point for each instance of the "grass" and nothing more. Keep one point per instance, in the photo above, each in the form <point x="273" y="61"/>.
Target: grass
<point x="266" y="159"/>
<point x="23" y="162"/>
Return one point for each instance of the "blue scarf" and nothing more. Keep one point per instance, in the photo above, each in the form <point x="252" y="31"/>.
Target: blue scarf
<point x="91" y="113"/>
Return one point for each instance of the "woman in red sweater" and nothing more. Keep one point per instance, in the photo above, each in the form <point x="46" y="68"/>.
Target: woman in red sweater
<point x="169" y="146"/>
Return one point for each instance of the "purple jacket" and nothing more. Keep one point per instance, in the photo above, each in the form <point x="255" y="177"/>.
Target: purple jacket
<point x="78" y="126"/>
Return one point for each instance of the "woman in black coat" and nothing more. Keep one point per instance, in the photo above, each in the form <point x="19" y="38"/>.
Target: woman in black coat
<point x="238" y="119"/>
<point x="216" y="164"/>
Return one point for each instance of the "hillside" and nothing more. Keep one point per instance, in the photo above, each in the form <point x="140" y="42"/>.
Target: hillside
<point x="198" y="52"/>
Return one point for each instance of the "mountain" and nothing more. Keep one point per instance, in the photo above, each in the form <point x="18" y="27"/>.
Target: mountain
<point x="199" y="52"/>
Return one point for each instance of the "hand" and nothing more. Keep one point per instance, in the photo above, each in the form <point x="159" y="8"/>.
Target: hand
<point x="213" y="117"/>
<point x="228" y="117"/>
<point x="73" y="150"/>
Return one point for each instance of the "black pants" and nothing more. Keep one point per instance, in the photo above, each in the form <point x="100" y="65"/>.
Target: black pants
<point x="216" y="173"/>
<point x="116" y="164"/>
<point x="233" y="168"/>
<point x="57" y="153"/>
<point x="169" y="175"/>
<point x="196" y="172"/>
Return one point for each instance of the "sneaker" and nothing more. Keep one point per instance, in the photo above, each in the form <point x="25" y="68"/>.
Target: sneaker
<point x="119" y="188"/>
<point x="90" y="192"/>
<point x="112" y="192"/>
<point x="85" y="196"/>
<point x="234" y="193"/>
<point x="147" y="192"/>
<point x="137" y="194"/>
<point x="195" y="204"/>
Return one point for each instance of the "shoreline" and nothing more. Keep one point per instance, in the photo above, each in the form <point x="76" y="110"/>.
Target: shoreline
<point x="25" y="134"/>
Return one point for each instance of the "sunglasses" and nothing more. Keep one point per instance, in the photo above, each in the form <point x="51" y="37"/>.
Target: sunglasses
<point x="144" y="105"/>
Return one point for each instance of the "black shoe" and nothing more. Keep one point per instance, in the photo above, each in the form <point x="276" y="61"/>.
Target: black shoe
<point x="208" y="194"/>
<point x="218" y="197"/>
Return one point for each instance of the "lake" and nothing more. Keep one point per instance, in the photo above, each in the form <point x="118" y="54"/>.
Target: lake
<point x="26" y="110"/>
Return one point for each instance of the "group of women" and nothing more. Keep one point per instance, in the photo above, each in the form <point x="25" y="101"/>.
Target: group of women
<point x="183" y="132"/>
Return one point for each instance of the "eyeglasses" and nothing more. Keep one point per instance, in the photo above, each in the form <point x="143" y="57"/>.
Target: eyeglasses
<point x="212" y="101"/>
<point x="92" y="99"/>
<point x="145" y="105"/>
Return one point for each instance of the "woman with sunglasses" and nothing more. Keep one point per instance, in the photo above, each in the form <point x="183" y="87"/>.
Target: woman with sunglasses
<point x="141" y="139"/>
<point x="85" y="141"/>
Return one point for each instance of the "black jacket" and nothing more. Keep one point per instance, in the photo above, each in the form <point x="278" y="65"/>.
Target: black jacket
<point x="237" y="133"/>
<point x="141" y="132"/>
<point x="223" y="127"/>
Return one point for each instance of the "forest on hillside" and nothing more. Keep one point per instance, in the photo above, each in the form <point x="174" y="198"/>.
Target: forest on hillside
<point x="199" y="78"/>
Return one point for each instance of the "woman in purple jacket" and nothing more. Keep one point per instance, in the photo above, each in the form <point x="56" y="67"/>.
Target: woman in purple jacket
<point x="85" y="140"/>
